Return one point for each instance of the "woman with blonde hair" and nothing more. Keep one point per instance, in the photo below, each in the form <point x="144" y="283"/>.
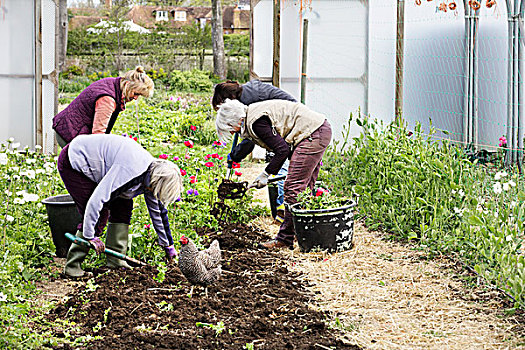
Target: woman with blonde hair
<point x="103" y="173"/>
<point x="96" y="108"/>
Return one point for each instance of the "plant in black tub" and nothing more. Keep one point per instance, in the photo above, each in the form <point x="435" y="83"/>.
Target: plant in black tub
<point x="323" y="220"/>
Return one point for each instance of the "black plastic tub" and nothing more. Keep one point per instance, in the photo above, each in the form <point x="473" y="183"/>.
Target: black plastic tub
<point x="326" y="229"/>
<point x="63" y="217"/>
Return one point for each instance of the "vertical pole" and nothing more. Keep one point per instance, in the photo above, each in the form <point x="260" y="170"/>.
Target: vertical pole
<point x="276" y="43"/>
<point x="466" y="92"/>
<point x="508" y="157"/>
<point x="305" y="57"/>
<point x="38" y="139"/>
<point x="367" y="57"/>
<point x="520" y="85"/>
<point x="399" y="57"/>
<point x="475" y="78"/>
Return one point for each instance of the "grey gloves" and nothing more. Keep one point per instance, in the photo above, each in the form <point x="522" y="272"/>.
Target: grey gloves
<point x="260" y="181"/>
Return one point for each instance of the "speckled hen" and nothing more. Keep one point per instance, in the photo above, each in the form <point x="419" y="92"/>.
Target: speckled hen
<point x="200" y="267"/>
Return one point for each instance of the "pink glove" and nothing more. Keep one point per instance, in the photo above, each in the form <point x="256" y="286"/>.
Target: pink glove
<point x="98" y="245"/>
<point x="170" y="252"/>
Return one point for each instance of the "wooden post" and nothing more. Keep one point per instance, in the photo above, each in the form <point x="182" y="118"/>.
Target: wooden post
<point x="399" y="57"/>
<point x="305" y="57"/>
<point x="39" y="128"/>
<point x="276" y="42"/>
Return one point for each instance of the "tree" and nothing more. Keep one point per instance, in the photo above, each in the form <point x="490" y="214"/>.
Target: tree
<point x="197" y="40"/>
<point x="217" y="39"/>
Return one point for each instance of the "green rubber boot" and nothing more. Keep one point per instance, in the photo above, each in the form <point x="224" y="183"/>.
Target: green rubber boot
<point x="75" y="257"/>
<point x="117" y="240"/>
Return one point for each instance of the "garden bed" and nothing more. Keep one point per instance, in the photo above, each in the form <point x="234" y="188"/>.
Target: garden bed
<point x="257" y="304"/>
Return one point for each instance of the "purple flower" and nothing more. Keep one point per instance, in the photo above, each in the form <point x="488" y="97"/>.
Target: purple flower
<point x="178" y="199"/>
<point x="190" y="191"/>
<point x="195" y="192"/>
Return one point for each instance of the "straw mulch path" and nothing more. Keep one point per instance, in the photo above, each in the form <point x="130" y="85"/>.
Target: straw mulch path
<point x="387" y="295"/>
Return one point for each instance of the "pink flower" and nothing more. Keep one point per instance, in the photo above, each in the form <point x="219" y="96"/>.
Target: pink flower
<point x="188" y="143"/>
<point x="238" y="173"/>
<point x="320" y="191"/>
<point x="502" y="141"/>
<point x="163" y="156"/>
<point x="208" y="156"/>
<point x="209" y="164"/>
<point x="193" y="128"/>
<point x="193" y="179"/>
<point x="182" y="172"/>
<point x="236" y="165"/>
<point x="136" y="139"/>
<point x="147" y="226"/>
<point x="187" y="156"/>
<point x="175" y="158"/>
<point x="172" y="98"/>
<point x="215" y="155"/>
<point x="221" y="158"/>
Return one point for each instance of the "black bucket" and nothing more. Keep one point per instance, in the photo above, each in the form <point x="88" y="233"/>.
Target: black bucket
<point x="327" y="229"/>
<point x="63" y="217"/>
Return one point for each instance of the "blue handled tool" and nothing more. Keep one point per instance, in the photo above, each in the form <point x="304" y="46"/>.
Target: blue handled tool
<point x="117" y="255"/>
<point x="230" y="161"/>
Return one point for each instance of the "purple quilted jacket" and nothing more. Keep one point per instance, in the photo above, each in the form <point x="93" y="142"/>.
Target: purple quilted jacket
<point x="77" y="118"/>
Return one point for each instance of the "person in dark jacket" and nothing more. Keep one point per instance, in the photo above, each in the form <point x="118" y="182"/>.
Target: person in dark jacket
<point x="290" y="130"/>
<point x="96" y="108"/>
<point x="248" y="93"/>
<point x="103" y="173"/>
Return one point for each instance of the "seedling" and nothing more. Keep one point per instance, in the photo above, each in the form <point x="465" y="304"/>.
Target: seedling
<point x="91" y="286"/>
<point x="161" y="276"/>
<point x="219" y="327"/>
<point x="249" y="346"/>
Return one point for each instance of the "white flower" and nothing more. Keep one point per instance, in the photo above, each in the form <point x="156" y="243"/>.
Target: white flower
<point x="30" y="174"/>
<point x="461" y="193"/>
<point x="506" y="186"/>
<point x="38" y="147"/>
<point x="9" y="218"/>
<point x="497" y="188"/>
<point x="15" y="145"/>
<point x="8" y="193"/>
<point x="453" y="191"/>
<point x="3" y="159"/>
<point x="508" y="238"/>
<point x="40" y="171"/>
<point x="39" y="204"/>
<point x="500" y="174"/>
<point x="3" y="297"/>
<point x="513" y="204"/>
<point x="16" y="177"/>
<point x="19" y="201"/>
<point x="11" y="139"/>
<point x="30" y="160"/>
<point x="29" y="197"/>
<point x="21" y="193"/>
<point x="512" y="183"/>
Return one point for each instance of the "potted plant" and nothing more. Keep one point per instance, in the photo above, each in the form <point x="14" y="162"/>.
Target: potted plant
<point x="323" y="221"/>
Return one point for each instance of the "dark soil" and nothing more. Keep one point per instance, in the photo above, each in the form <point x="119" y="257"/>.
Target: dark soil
<point x="257" y="301"/>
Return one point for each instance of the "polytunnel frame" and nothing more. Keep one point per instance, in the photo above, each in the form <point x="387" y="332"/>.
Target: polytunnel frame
<point x="38" y="75"/>
<point x="515" y="11"/>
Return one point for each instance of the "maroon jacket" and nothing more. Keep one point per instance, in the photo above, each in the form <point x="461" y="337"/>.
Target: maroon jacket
<point x="77" y="118"/>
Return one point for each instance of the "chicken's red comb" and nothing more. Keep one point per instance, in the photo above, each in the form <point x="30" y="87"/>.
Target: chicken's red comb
<point x="183" y="240"/>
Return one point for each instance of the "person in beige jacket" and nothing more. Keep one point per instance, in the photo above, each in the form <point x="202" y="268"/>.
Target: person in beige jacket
<point x="290" y="130"/>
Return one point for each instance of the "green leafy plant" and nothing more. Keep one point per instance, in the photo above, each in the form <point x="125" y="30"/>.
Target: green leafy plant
<point x="218" y="328"/>
<point x="322" y="199"/>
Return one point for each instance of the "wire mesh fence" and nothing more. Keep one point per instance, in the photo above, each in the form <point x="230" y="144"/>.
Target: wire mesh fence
<point x="461" y="64"/>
